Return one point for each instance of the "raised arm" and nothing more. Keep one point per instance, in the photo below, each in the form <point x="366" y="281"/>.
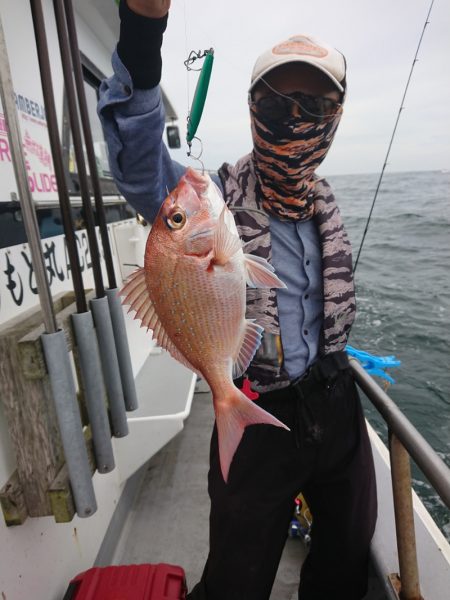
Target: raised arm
<point x="132" y="112"/>
<point x="154" y="9"/>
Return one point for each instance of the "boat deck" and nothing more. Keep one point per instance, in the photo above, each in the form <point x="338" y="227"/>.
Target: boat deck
<point x="169" y="519"/>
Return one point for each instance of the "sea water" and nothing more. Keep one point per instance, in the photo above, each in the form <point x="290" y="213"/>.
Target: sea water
<point x="403" y="299"/>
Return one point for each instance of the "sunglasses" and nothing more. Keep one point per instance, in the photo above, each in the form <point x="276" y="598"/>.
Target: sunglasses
<point x="312" y="108"/>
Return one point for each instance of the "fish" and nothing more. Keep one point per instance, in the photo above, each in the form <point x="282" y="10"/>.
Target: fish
<point x="191" y="294"/>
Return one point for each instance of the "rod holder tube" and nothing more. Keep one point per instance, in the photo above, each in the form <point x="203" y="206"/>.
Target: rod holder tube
<point x="94" y="390"/>
<point x="69" y="420"/>
<point x="110" y="365"/>
<point x="123" y="350"/>
<point x="404" y="520"/>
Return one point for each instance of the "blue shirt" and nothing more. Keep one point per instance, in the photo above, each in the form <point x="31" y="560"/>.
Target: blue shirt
<point x="133" y="122"/>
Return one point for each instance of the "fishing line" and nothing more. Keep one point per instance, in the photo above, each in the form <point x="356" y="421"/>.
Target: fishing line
<point x="393" y="135"/>
<point x="195" y="110"/>
<point x="186" y="53"/>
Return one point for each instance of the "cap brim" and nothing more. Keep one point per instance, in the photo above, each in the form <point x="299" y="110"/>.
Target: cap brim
<point x="298" y="60"/>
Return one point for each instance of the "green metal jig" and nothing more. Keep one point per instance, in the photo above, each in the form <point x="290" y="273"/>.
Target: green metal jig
<point x="201" y="91"/>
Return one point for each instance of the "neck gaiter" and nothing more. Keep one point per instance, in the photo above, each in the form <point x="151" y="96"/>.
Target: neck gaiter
<point x="286" y="155"/>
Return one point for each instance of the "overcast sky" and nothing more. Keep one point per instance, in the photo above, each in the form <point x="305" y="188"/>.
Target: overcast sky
<point x="379" y="39"/>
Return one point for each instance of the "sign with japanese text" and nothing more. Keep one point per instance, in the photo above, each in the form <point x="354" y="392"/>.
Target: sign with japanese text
<point x="18" y="290"/>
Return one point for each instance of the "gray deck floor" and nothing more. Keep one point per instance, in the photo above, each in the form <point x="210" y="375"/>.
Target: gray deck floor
<point x="169" y="519"/>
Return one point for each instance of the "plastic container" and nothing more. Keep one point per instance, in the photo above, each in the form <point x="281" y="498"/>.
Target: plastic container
<point x="131" y="582"/>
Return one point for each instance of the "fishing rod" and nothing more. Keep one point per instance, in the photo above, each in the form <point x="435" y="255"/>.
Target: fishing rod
<point x="53" y="340"/>
<point x="115" y="307"/>
<point x="376" y="365"/>
<point x="99" y="305"/>
<point x="393" y="135"/>
<point x="53" y="132"/>
<point x="83" y="325"/>
<point x="89" y="144"/>
<point x="78" y="149"/>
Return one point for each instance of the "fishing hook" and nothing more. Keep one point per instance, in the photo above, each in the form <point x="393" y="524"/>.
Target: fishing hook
<point x="189" y="153"/>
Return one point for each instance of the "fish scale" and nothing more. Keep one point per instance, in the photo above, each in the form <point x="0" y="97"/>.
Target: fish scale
<point x="204" y="325"/>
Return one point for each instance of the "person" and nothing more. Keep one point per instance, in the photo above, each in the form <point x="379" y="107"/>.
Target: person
<point x="287" y="214"/>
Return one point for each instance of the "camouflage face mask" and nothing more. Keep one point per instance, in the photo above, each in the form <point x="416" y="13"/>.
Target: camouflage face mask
<point x="286" y="155"/>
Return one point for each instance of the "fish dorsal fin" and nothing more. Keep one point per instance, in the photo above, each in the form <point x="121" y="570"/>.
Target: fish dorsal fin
<point x="226" y="243"/>
<point x="251" y="341"/>
<point x="137" y="296"/>
<point x="260" y="273"/>
<point x="133" y="289"/>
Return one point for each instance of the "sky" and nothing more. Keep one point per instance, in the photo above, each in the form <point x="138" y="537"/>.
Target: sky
<point x="379" y="40"/>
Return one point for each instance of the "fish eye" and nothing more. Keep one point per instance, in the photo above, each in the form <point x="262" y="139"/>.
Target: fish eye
<point x="177" y="219"/>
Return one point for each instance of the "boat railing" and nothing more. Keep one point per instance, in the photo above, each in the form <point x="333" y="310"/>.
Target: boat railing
<point x="405" y="442"/>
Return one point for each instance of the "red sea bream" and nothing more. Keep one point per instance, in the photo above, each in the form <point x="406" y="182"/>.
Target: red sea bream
<point x="191" y="294"/>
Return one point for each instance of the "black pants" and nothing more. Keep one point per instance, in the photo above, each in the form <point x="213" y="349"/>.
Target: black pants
<point x="327" y="456"/>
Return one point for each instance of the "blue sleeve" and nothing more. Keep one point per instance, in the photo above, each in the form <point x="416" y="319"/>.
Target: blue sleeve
<point x="133" y="122"/>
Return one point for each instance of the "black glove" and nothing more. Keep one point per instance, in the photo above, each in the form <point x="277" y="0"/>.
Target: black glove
<point x="139" y="46"/>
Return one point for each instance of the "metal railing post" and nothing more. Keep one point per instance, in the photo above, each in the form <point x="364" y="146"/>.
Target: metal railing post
<point x="404" y="442"/>
<point x="404" y="519"/>
<point x="428" y="461"/>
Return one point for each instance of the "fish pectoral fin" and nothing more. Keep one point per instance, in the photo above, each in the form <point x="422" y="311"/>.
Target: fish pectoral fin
<point x="233" y="414"/>
<point x="260" y="273"/>
<point x="226" y="243"/>
<point x="251" y="341"/>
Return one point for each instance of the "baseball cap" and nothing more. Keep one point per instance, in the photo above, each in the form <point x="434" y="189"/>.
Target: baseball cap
<point x="302" y="49"/>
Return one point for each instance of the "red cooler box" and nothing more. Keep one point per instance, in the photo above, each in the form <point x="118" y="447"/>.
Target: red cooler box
<point x="131" y="582"/>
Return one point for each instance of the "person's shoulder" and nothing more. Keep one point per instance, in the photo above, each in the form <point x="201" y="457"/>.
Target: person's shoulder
<point x="229" y="171"/>
<point x="322" y="187"/>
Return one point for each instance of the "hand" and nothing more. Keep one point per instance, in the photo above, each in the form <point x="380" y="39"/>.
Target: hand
<point x="154" y="9"/>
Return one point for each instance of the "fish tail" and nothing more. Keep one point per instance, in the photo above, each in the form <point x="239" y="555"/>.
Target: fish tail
<point x="233" y="413"/>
